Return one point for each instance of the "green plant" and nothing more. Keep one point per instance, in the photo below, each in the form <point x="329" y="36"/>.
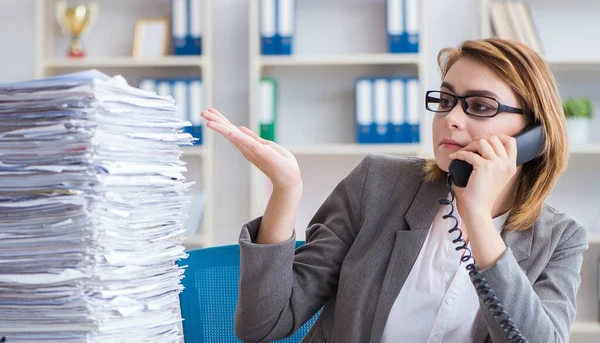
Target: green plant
<point x="578" y="108"/>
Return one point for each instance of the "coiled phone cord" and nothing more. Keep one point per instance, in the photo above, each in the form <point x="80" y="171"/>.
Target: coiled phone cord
<point x="481" y="285"/>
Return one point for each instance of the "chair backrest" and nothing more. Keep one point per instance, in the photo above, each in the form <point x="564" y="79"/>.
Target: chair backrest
<point x="210" y="296"/>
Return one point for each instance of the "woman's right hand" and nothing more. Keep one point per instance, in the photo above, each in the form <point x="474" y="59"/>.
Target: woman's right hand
<point x="278" y="164"/>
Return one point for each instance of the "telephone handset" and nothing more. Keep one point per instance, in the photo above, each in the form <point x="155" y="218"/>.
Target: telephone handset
<point x="530" y="144"/>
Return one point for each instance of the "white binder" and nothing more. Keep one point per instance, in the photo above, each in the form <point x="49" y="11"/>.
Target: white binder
<point x="397" y="110"/>
<point x="382" y="112"/>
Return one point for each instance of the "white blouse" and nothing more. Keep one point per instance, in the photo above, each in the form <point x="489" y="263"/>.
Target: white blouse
<point x="438" y="302"/>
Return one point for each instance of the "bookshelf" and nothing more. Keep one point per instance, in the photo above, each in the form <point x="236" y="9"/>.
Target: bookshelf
<point x="342" y="41"/>
<point x="108" y="45"/>
<point x="576" y="65"/>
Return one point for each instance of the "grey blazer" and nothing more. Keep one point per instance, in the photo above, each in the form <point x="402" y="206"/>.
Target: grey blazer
<point x="361" y="245"/>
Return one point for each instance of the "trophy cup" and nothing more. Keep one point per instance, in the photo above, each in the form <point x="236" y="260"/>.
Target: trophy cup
<point x="75" y="21"/>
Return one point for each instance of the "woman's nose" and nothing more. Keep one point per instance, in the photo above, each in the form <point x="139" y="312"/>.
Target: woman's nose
<point x="456" y="117"/>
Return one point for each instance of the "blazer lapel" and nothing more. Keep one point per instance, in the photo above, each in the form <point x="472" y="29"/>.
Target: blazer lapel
<point x="408" y="243"/>
<point x="519" y="242"/>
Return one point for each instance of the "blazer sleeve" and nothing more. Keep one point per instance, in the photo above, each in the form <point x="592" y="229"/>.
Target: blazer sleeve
<point x="542" y="311"/>
<point x="281" y="288"/>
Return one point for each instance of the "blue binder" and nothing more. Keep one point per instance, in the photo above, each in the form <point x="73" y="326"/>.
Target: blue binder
<point x="397" y="95"/>
<point x="395" y="26"/>
<point x="412" y="22"/>
<point x="179" y="24"/>
<point x="195" y="27"/>
<point x="163" y="87"/>
<point x="196" y="100"/>
<point x="363" y="104"/>
<point x="413" y="112"/>
<point x="268" y="27"/>
<point x="286" y="25"/>
<point x="147" y="84"/>
<point x="180" y="94"/>
<point x="186" y="27"/>
<point x="381" y="112"/>
<point x="189" y="96"/>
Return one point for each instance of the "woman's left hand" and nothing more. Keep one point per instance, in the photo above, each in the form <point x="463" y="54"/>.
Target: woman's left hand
<point x="494" y="164"/>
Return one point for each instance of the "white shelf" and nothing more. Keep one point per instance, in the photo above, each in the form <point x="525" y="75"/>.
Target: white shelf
<point x="355" y="149"/>
<point x="125" y="61"/>
<point x="585" y="327"/>
<point x="594" y="238"/>
<point x="574" y="64"/>
<point x="347" y="59"/>
<point x="585" y="149"/>
<point x="586" y="61"/>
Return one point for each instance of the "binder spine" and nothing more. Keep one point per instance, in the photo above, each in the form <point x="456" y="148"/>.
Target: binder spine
<point x="411" y="10"/>
<point x="268" y="108"/>
<point x="147" y="84"/>
<point x="179" y="93"/>
<point x="268" y="27"/>
<point x="395" y="26"/>
<point x="163" y="87"/>
<point x="195" y="32"/>
<point x="179" y="26"/>
<point x="397" y="111"/>
<point x="196" y="99"/>
<point x="364" y="110"/>
<point x="285" y="26"/>
<point x="381" y="118"/>
<point x="413" y="117"/>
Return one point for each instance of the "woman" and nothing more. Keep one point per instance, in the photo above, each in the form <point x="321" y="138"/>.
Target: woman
<point x="378" y="257"/>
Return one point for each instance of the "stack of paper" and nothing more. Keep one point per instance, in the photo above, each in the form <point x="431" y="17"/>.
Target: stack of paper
<point x="91" y="200"/>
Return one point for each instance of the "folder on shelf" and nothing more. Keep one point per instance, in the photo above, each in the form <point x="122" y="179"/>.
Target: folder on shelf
<point x="413" y="113"/>
<point x="396" y="129"/>
<point x="380" y="110"/>
<point x="179" y="26"/>
<point x="412" y="22"/>
<point x="186" y="27"/>
<point x="268" y="27"/>
<point x="147" y="85"/>
<point x="179" y="93"/>
<point x="163" y="87"/>
<point x="286" y="10"/>
<point x="395" y="25"/>
<point x="364" y="110"/>
<point x="188" y="94"/>
<point x="267" y="108"/>
<point x="195" y="23"/>
<point x="196" y="100"/>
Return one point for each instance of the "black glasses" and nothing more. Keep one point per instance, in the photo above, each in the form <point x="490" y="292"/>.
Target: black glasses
<point x="474" y="105"/>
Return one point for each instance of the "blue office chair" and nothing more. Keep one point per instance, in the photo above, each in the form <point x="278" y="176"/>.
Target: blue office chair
<point x="210" y="296"/>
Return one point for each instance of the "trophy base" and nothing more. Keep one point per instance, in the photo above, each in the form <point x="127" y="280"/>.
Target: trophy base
<point x="76" y="48"/>
<point x="76" y="54"/>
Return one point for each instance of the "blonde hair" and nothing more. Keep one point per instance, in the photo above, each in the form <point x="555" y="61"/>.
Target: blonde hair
<point x="535" y="87"/>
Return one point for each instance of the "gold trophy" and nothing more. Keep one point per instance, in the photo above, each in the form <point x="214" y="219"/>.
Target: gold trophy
<point x="75" y="21"/>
